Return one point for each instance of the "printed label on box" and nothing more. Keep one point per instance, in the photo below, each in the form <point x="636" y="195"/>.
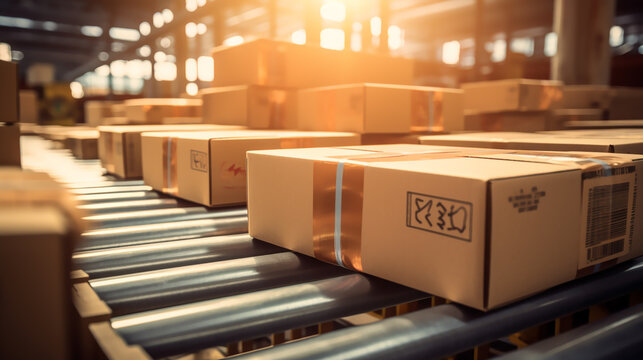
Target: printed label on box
<point x="607" y="210"/>
<point x="439" y="215"/>
<point x="198" y="161"/>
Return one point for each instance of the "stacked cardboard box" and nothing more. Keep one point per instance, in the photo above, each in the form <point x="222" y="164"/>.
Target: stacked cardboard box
<point x="38" y="230"/>
<point x="153" y="111"/>
<point x="511" y="105"/>
<point x="96" y="111"/>
<point x="29" y="110"/>
<point x="380" y="109"/>
<point x="83" y="144"/>
<point x="256" y="82"/>
<point x="9" y="129"/>
<point x="471" y="225"/>
<point x="210" y="168"/>
<point x="119" y="147"/>
<point x="628" y="141"/>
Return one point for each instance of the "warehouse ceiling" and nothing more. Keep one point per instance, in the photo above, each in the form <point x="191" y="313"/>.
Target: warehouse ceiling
<point x="51" y="30"/>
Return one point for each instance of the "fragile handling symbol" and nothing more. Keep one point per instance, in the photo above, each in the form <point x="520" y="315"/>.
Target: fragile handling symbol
<point x="435" y="214"/>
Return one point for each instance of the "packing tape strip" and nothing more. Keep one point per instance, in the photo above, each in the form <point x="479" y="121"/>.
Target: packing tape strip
<point x="339" y="179"/>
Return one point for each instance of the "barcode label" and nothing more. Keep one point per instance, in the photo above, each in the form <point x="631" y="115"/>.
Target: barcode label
<point x="605" y="250"/>
<point x="607" y="213"/>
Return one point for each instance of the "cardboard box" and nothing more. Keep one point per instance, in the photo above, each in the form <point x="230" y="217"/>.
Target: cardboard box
<point x="625" y="103"/>
<point x="29" y="110"/>
<point x="550" y="141"/>
<point x="10" y="140"/>
<point x="603" y="124"/>
<point x="38" y="230"/>
<point x="380" y="139"/>
<point x="284" y="64"/>
<point x="511" y="121"/>
<point x="9" y="92"/>
<point x="96" y="111"/>
<point x="115" y="120"/>
<point x="182" y="120"/>
<point x="448" y="220"/>
<point x="258" y="107"/>
<point x="585" y="97"/>
<point x="84" y="144"/>
<point x="379" y="108"/>
<point x="511" y="95"/>
<point x="210" y="167"/>
<point x="152" y="111"/>
<point x="119" y="147"/>
<point x="118" y="109"/>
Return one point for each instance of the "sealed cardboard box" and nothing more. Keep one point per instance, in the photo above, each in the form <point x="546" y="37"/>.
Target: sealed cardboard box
<point x="152" y="111"/>
<point x="453" y="215"/>
<point x="510" y="121"/>
<point x="182" y="120"/>
<point x="379" y="139"/>
<point x="585" y="97"/>
<point x="10" y="140"/>
<point x="258" y="107"/>
<point x="9" y="92"/>
<point x="84" y="144"/>
<point x="551" y="141"/>
<point x="604" y="124"/>
<point x="284" y="64"/>
<point x="210" y="168"/>
<point x="119" y="147"/>
<point x="511" y="95"/>
<point x="96" y="111"/>
<point x="28" y="106"/>
<point x="379" y="108"/>
<point x="115" y="120"/>
<point x="118" y="109"/>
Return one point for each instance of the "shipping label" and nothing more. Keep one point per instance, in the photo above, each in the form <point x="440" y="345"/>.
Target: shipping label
<point x="607" y="217"/>
<point x="448" y="217"/>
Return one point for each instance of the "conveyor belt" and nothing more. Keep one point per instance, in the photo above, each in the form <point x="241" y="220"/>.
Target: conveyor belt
<point x="175" y="289"/>
<point x="132" y="259"/>
<point x="154" y="216"/>
<point x="162" y="288"/>
<point x="619" y="336"/>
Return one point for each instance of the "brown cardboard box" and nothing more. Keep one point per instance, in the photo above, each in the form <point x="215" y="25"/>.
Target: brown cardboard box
<point x="118" y="109"/>
<point x="210" y="168"/>
<point x="603" y="124"/>
<point x="585" y="97"/>
<point x="569" y="140"/>
<point x="84" y="144"/>
<point x="28" y="106"/>
<point x="115" y="120"/>
<point x="511" y="95"/>
<point x="152" y="111"/>
<point x="9" y="92"/>
<point x="119" y="147"/>
<point x="625" y="103"/>
<point x="440" y="220"/>
<point x="510" y="121"/>
<point x="10" y="140"/>
<point x="379" y="108"/>
<point x="380" y="139"/>
<point x="182" y="120"/>
<point x="258" y="107"/>
<point x="96" y="111"/>
<point x="38" y="230"/>
<point x="284" y="64"/>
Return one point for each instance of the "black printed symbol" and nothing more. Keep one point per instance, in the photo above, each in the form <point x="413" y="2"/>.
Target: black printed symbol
<point x="441" y="211"/>
<point x="458" y="219"/>
<point x="427" y="205"/>
<point x="527" y="202"/>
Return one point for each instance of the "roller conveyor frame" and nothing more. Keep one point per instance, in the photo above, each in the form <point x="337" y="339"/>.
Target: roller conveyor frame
<point x="154" y="216"/>
<point x="445" y="329"/>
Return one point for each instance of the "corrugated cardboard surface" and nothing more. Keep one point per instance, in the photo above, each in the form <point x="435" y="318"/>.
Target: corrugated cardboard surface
<point x="413" y="227"/>
<point x="211" y="167"/>
<point x="552" y="141"/>
<point x="123" y="158"/>
<point x="10" y="140"/>
<point x="283" y="64"/>
<point x="511" y="95"/>
<point x="9" y="92"/>
<point x="258" y="107"/>
<point x="380" y="108"/>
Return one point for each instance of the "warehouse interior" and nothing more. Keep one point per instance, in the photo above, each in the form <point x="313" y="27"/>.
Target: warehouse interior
<point x="321" y="179"/>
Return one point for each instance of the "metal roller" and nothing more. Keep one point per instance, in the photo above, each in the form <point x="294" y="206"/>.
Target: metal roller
<point x="138" y="258"/>
<point x="195" y="326"/>
<point x="448" y="329"/>
<point x="619" y="336"/>
<point x="119" y="196"/>
<point x="153" y="216"/>
<point x="103" y="182"/>
<point x="134" y="205"/>
<point x="154" y="233"/>
<point x="110" y="189"/>
<point x="162" y="288"/>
